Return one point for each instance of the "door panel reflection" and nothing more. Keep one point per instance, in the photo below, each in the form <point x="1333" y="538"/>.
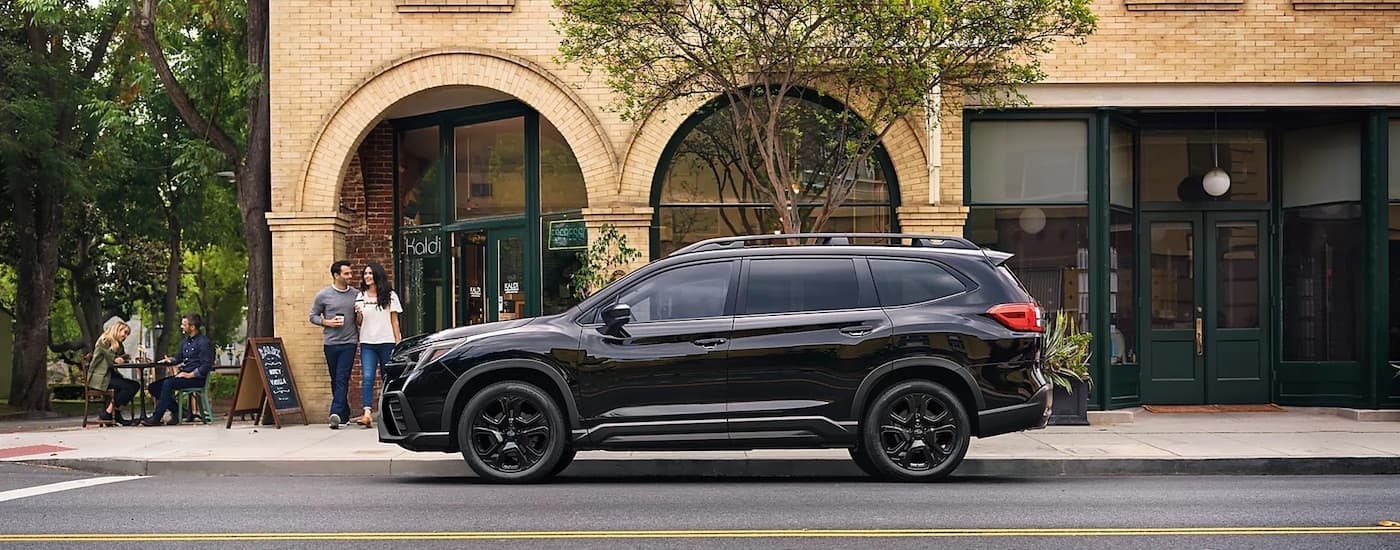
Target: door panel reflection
<point x="1172" y="276"/>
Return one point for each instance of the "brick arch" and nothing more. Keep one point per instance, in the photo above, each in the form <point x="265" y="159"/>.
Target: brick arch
<point x="904" y="143"/>
<point x="357" y="113"/>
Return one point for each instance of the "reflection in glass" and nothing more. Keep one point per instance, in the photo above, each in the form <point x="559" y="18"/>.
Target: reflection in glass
<point x="510" y="269"/>
<point x="1173" y="162"/>
<point x="681" y="226"/>
<point x="423" y="295"/>
<point x="420" y="200"/>
<point x="1122" y="154"/>
<point x="1237" y="265"/>
<point x="1394" y="244"/>
<point x="1122" y="265"/>
<point x="561" y="179"/>
<point x="1322" y="252"/>
<point x="1051" y="247"/>
<point x="558" y="267"/>
<point x="489" y="163"/>
<point x="1029" y="161"/>
<point x="1173" y="276"/>
<point x="469" y="266"/>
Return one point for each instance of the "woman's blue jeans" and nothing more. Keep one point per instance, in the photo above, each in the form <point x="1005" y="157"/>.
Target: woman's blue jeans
<point x="371" y="356"/>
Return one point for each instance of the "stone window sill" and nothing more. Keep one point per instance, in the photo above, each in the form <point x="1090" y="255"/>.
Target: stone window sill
<point x="455" y="6"/>
<point x="1185" y="5"/>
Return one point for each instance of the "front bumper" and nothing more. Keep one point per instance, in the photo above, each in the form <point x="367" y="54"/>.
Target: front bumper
<point x="1032" y="414"/>
<point x="396" y="426"/>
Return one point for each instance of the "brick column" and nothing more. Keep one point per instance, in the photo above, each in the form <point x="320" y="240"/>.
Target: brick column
<point x="304" y="245"/>
<point x="933" y="220"/>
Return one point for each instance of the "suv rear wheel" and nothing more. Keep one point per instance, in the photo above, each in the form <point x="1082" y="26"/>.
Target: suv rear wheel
<point x="512" y="432"/>
<point x="916" y="430"/>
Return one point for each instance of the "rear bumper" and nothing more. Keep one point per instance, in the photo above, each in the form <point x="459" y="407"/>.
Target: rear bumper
<point x="1032" y="414"/>
<point x="396" y="426"/>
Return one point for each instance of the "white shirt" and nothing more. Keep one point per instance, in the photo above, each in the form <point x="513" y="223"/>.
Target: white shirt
<point x="375" y="327"/>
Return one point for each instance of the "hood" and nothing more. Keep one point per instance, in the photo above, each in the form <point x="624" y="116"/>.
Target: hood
<point x="473" y="330"/>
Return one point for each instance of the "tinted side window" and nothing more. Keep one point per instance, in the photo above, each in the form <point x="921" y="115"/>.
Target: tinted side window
<point x="784" y="285"/>
<point x="901" y="282"/>
<point x="691" y="292"/>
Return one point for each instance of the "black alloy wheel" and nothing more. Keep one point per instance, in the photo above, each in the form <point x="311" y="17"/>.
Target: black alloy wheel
<point x="916" y="430"/>
<point x="512" y="432"/>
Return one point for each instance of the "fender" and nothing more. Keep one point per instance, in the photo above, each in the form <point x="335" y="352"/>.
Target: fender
<point x="863" y="392"/>
<point x="570" y="407"/>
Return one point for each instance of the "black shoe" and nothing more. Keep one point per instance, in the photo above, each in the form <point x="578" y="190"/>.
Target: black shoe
<point x="149" y="422"/>
<point x="118" y="418"/>
<point x="173" y="422"/>
<point x="104" y="416"/>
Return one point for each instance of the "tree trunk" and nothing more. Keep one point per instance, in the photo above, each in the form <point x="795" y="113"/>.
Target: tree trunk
<point x="170" y="314"/>
<point x="37" y="219"/>
<point x="255" y="179"/>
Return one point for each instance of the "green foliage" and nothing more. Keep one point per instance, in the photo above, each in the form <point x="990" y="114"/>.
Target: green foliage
<point x="885" y="59"/>
<point x="214" y="283"/>
<point x="222" y="386"/>
<point x="1067" y="353"/>
<point x="600" y="262"/>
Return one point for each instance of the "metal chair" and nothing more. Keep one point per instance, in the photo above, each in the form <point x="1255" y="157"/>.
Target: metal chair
<point x="103" y="397"/>
<point x="205" y="411"/>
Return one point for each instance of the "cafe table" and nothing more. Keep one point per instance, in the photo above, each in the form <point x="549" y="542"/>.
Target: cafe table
<point x="142" y="368"/>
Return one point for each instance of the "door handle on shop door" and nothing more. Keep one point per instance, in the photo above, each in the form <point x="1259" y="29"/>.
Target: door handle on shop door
<point x="857" y="331"/>
<point x="709" y="343"/>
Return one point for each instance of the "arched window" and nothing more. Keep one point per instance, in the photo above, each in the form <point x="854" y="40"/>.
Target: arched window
<point x="701" y="191"/>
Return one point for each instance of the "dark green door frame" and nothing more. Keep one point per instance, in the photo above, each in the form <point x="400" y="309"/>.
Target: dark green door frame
<point x="1194" y="358"/>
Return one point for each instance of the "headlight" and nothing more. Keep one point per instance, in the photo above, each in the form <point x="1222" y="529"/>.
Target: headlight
<point x="438" y="350"/>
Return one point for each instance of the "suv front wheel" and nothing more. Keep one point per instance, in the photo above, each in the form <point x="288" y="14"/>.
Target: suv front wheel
<point x="916" y="430"/>
<point x="512" y="432"/>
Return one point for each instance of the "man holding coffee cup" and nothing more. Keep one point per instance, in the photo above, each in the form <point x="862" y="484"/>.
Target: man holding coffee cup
<point x="333" y="310"/>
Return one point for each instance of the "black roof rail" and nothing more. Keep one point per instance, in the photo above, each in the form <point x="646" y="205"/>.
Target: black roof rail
<point x="829" y="239"/>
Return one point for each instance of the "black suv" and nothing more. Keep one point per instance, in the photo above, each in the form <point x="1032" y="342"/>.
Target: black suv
<point x="898" y="347"/>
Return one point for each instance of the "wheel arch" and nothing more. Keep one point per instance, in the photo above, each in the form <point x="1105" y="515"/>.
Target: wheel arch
<point x="533" y="371"/>
<point x="940" y="370"/>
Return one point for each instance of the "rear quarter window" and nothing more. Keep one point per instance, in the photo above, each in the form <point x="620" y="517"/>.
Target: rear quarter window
<point x="903" y="282"/>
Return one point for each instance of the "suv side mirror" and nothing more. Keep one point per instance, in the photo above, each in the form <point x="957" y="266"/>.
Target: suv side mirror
<point x="614" y="317"/>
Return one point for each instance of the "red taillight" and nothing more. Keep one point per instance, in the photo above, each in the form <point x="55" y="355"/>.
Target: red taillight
<point x="1021" y="317"/>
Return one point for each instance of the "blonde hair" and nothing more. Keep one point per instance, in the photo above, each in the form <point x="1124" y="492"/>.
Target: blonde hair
<point x="110" y="334"/>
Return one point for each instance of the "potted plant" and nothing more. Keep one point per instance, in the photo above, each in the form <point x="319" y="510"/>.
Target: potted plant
<point x="1066" y="364"/>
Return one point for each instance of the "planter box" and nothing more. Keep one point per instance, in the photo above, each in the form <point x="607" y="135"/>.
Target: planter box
<point x="1070" y="409"/>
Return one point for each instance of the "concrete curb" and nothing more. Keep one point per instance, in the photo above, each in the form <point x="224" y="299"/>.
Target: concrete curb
<point x="743" y="467"/>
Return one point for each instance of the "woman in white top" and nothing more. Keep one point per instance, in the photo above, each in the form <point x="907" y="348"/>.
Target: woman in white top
<point x="377" y="311"/>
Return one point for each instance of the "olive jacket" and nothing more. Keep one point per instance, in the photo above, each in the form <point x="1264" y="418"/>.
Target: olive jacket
<point x="104" y="359"/>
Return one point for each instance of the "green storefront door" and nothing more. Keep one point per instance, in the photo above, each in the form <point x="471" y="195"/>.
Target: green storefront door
<point x="1205" y="288"/>
<point x="505" y="274"/>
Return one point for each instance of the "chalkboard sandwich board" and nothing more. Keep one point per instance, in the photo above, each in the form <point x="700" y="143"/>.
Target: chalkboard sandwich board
<point x="265" y="383"/>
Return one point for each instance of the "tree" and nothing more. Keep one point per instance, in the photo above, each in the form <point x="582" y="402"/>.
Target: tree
<point x="52" y="53"/>
<point x="227" y="47"/>
<point x="884" y="59"/>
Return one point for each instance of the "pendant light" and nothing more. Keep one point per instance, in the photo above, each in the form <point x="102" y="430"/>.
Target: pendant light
<point x="1216" y="182"/>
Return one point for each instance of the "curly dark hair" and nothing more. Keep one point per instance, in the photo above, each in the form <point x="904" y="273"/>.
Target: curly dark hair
<point x="383" y="287"/>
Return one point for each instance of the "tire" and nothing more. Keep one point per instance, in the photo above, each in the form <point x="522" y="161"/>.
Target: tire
<point x="564" y="461"/>
<point x="905" y="446"/>
<point x="862" y="460"/>
<point x="512" y="432"/>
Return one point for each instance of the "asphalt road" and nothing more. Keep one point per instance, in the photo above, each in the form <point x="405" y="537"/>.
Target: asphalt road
<point x="966" y="512"/>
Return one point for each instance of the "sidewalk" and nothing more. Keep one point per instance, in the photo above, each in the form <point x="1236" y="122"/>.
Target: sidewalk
<point x="1132" y="442"/>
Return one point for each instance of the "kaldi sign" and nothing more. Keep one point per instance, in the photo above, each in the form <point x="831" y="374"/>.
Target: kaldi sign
<point x="422" y="245"/>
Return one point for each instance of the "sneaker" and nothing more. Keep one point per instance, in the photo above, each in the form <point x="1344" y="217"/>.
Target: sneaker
<point x="366" y="421"/>
<point x="335" y="422"/>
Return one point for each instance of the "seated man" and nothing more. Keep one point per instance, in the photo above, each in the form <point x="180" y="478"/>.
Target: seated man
<point x="194" y="361"/>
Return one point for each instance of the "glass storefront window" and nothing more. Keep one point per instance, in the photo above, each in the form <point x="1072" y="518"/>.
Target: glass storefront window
<point x="561" y="180"/>
<point x="559" y="255"/>
<point x="1051" y="247"/>
<point x="420" y="199"/>
<point x="1394" y="244"/>
<point x="1395" y="159"/>
<point x="1321" y="165"/>
<point x="1322" y="249"/>
<point x="1122" y="157"/>
<point x="705" y="194"/>
<point x="1028" y="161"/>
<point x="1122" y="265"/>
<point x="1173" y="162"/>
<point x="489" y="169"/>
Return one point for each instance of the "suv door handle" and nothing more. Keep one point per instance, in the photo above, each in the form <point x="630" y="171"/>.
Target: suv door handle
<point x="709" y="343"/>
<point x="857" y="331"/>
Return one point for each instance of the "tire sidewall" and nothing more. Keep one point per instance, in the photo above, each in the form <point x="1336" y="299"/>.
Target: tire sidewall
<point x="874" y="414"/>
<point x="554" y="418"/>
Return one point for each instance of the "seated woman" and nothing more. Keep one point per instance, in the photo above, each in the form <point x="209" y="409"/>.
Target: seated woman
<point x="103" y="375"/>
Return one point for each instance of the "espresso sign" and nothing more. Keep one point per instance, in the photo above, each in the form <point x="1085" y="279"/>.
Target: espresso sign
<point x="568" y="235"/>
<point x="265" y="383"/>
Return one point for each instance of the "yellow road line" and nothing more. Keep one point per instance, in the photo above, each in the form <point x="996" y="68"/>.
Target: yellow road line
<point x="699" y="534"/>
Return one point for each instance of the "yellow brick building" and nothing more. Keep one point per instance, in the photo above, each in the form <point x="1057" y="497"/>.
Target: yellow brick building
<point x="440" y="138"/>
